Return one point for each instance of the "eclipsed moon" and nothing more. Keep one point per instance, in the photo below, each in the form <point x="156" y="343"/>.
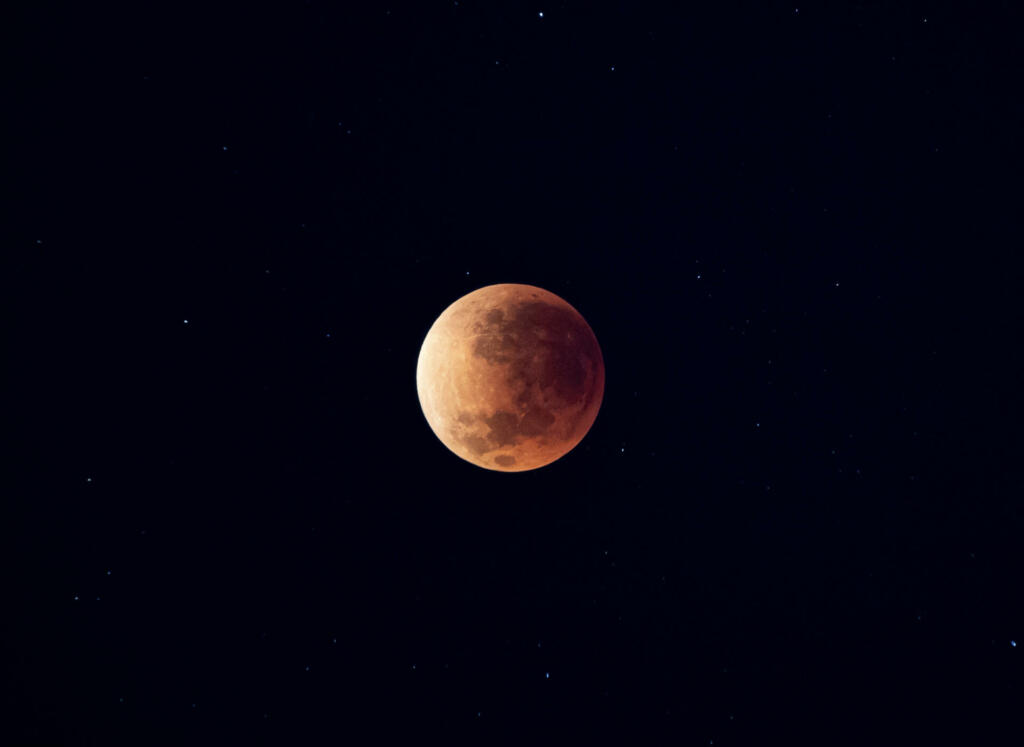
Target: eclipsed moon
<point x="510" y="377"/>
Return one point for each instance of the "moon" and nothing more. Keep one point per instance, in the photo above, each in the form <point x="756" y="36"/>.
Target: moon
<point x="510" y="377"/>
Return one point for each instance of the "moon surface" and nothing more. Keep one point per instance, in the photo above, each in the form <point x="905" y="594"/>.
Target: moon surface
<point x="510" y="377"/>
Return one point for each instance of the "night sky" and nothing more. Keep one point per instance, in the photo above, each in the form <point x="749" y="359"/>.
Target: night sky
<point x="795" y="232"/>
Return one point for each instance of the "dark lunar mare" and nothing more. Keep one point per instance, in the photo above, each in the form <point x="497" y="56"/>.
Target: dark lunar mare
<point x="543" y="344"/>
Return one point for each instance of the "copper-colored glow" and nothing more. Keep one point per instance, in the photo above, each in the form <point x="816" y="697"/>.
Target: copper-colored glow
<point x="510" y="377"/>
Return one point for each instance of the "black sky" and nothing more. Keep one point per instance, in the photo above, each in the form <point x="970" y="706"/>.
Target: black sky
<point x="795" y="233"/>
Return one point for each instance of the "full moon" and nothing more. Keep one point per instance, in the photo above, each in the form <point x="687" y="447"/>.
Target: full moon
<point x="510" y="377"/>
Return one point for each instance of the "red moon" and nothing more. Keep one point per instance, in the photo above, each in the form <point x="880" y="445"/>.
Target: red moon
<point x="510" y="377"/>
